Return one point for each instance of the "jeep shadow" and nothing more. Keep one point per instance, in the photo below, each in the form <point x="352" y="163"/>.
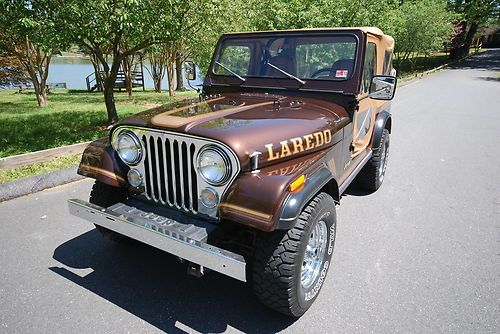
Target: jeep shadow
<point x="154" y="286"/>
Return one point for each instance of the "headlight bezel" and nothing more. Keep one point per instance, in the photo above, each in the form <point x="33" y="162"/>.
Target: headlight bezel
<point x="225" y="158"/>
<point x="135" y="140"/>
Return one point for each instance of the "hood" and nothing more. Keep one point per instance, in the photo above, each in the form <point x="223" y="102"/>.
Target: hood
<point x="279" y="127"/>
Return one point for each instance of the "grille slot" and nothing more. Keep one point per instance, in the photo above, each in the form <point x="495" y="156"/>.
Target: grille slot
<point x="169" y="172"/>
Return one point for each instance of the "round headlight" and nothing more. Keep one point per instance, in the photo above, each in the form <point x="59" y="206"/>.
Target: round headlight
<point x="128" y="147"/>
<point x="214" y="165"/>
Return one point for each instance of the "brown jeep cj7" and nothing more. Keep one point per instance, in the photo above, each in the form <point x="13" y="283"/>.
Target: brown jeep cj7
<point x="251" y="171"/>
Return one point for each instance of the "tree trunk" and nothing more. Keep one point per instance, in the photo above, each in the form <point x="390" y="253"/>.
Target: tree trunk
<point x="157" y="84"/>
<point x="170" y="76"/>
<point x="127" y="65"/>
<point x="469" y="38"/>
<point x="36" y="63"/>
<point x="97" y="73"/>
<point x="157" y="70"/>
<point x="158" y="75"/>
<point x="41" y="95"/>
<point x="40" y="90"/>
<point x="109" y="95"/>
<point x="109" y="100"/>
<point x="413" y="63"/>
<point x="457" y="41"/>
<point x="178" y="73"/>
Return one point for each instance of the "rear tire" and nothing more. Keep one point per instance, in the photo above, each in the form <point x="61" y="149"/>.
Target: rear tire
<point x="373" y="173"/>
<point x="105" y="195"/>
<point x="290" y="266"/>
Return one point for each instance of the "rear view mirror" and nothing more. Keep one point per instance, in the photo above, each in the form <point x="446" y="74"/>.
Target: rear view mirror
<point x="383" y="87"/>
<point x="190" y="70"/>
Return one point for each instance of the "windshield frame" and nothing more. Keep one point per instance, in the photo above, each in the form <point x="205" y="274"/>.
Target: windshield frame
<point x="347" y="85"/>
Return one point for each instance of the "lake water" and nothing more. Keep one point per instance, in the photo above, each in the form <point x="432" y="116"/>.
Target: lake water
<point x="73" y="71"/>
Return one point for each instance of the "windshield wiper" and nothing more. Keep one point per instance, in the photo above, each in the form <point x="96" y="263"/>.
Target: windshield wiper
<point x="291" y="76"/>
<point x="230" y="71"/>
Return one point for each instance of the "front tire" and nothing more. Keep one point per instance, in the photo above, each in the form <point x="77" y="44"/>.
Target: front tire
<point x="105" y="195"/>
<point x="290" y="266"/>
<point x="373" y="173"/>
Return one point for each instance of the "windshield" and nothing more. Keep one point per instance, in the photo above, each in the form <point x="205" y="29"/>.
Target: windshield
<point x="294" y="57"/>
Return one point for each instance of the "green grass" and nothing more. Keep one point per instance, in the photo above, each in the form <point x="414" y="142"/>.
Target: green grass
<point x="72" y="116"/>
<point x="422" y="64"/>
<point x="7" y="175"/>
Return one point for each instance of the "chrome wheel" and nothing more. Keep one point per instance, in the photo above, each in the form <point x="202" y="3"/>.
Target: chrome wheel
<point x="289" y="268"/>
<point x="314" y="254"/>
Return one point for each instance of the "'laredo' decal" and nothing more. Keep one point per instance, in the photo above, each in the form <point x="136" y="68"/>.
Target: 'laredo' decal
<point x="300" y="144"/>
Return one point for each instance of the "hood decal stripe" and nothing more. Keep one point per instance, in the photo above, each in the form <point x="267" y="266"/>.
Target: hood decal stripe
<point x="166" y="120"/>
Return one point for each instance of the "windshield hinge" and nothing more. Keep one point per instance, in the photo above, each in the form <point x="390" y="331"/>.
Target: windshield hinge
<point x="276" y="104"/>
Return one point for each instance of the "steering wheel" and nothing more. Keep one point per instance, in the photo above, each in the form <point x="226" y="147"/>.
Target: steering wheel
<point x="321" y="70"/>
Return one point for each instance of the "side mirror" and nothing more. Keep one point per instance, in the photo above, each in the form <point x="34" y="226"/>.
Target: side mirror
<point x="383" y="87"/>
<point x="190" y="70"/>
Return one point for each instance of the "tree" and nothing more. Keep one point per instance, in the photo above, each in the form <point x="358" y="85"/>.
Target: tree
<point x="297" y="14"/>
<point x="157" y="61"/>
<point x="179" y="61"/>
<point x="287" y="14"/>
<point x="28" y="33"/>
<point x="420" y="27"/>
<point x="11" y="72"/>
<point x="127" y="67"/>
<point x="120" y="28"/>
<point x="472" y="13"/>
<point x="97" y="71"/>
<point x="163" y="59"/>
<point x="202" y="30"/>
<point x="169" y="52"/>
<point x="203" y="23"/>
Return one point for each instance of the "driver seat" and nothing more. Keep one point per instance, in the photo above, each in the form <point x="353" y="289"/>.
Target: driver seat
<point x="342" y="64"/>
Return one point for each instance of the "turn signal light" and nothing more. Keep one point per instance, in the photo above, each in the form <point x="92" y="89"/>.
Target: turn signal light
<point x="298" y="184"/>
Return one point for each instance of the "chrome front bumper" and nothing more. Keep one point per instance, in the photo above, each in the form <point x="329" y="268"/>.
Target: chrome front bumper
<point x="164" y="231"/>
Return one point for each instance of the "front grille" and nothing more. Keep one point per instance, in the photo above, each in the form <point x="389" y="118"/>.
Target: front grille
<point x="168" y="167"/>
<point x="169" y="171"/>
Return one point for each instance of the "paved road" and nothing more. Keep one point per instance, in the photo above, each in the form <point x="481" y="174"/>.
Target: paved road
<point x="422" y="255"/>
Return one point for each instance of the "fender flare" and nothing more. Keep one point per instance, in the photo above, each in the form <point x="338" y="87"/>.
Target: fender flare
<point x="295" y="202"/>
<point x="383" y="121"/>
<point x="101" y="162"/>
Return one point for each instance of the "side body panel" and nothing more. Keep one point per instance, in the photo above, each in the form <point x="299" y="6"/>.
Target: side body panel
<point x="366" y="119"/>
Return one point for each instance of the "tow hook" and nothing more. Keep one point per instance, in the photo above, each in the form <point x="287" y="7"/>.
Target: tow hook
<point x="195" y="270"/>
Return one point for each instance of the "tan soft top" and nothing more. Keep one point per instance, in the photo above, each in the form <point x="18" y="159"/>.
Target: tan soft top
<point x="387" y="41"/>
